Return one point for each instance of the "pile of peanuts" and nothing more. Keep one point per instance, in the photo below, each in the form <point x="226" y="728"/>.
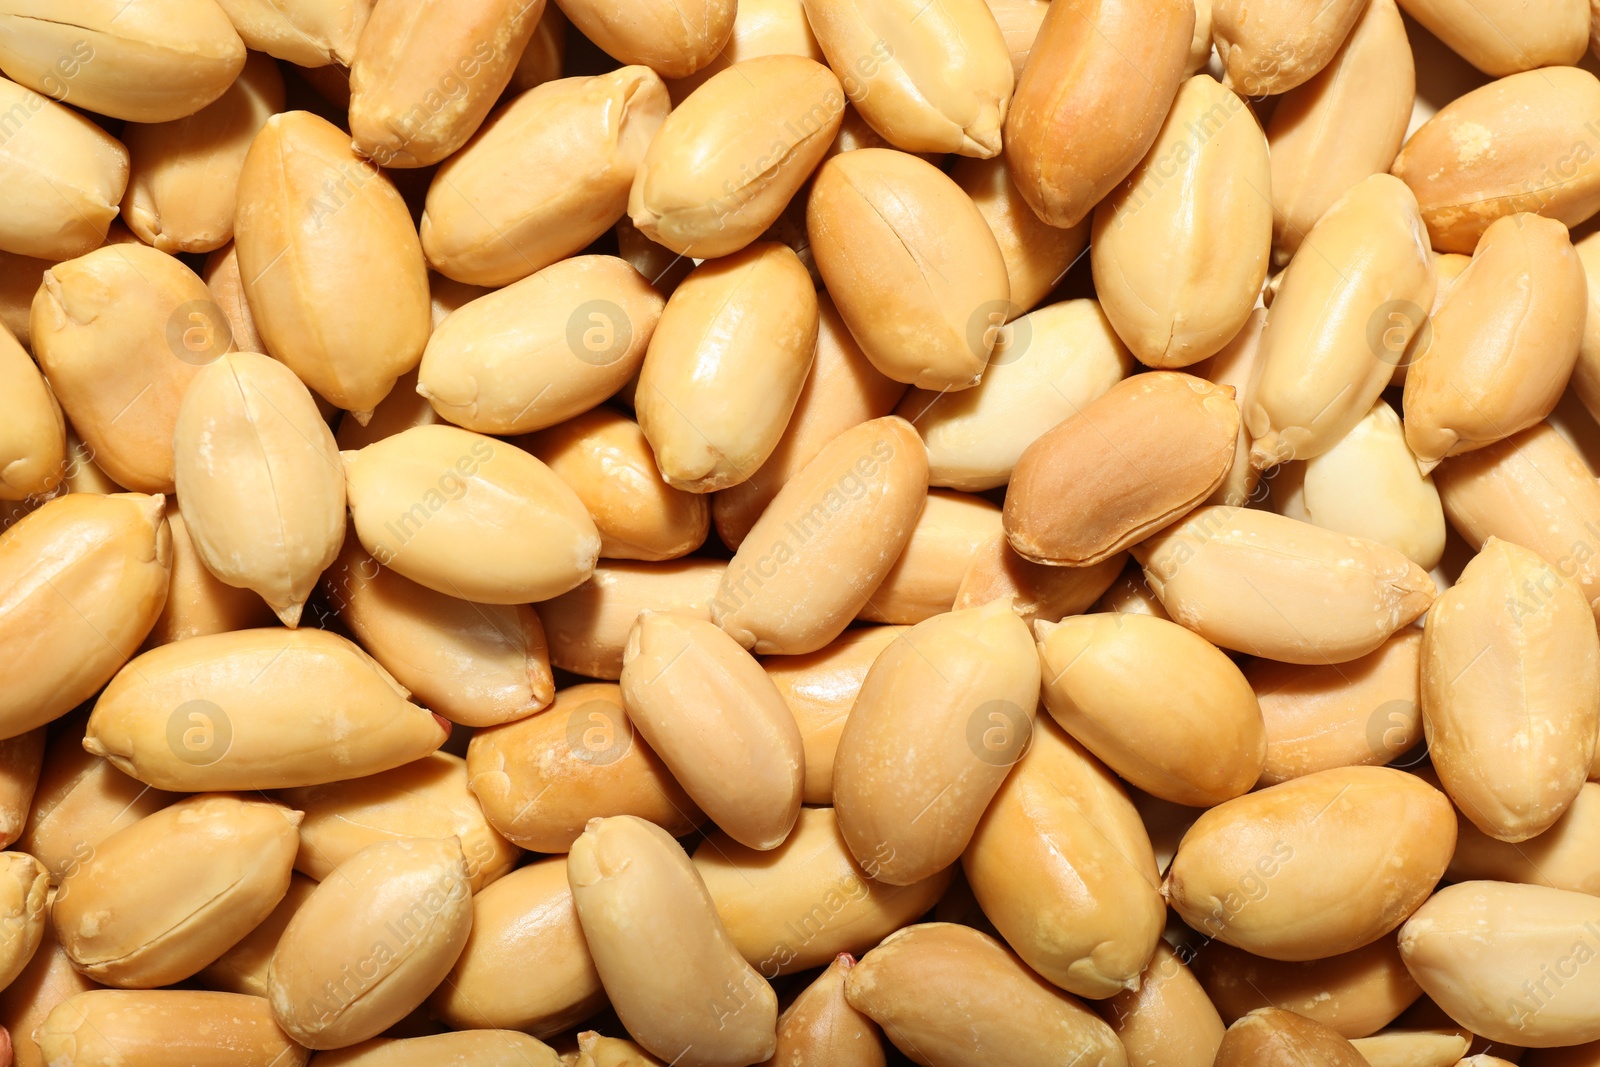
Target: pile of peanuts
<point x="821" y="533"/>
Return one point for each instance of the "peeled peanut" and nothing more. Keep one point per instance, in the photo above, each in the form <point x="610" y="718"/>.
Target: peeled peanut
<point x="1501" y="38"/>
<point x="244" y="967"/>
<point x="1511" y="691"/>
<point x="1281" y="589"/>
<point x="307" y="33"/>
<point x="1235" y="365"/>
<point x="33" y="435"/>
<point x="1354" y="994"/>
<point x="1416" y="1048"/>
<point x="1164" y="708"/>
<point x="911" y="263"/>
<point x="1153" y="249"/>
<point x="760" y="28"/>
<point x="257" y="709"/>
<point x="226" y="285"/>
<point x="481" y="1048"/>
<point x="129" y="919"/>
<point x="941" y="717"/>
<point x="1340" y="323"/>
<point x="541" y="779"/>
<point x="1271" y="1037"/>
<point x="80" y="801"/>
<point x="1563" y="857"/>
<point x="84" y="578"/>
<point x="597" y="1051"/>
<point x="1099" y="80"/>
<point x="21" y="759"/>
<point x="1037" y="255"/>
<point x="473" y="230"/>
<point x="1037" y="591"/>
<point x="64" y="176"/>
<point x="198" y="602"/>
<point x="645" y="910"/>
<point x="673" y="37"/>
<point x="24" y="886"/>
<point x="588" y="627"/>
<point x="1269" y="48"/>
<point x="820" y="1026"/>
<point x="1128" y="592"/>
<point x="47" y="980"/>
<point x="347" y="325"/>
<point x="1314" y="867"/>
<point x="1047" y="366"/>
<point x="136" y="1028"/>
<point x="924" y="582"/>
<point x="1168" y="1021"/>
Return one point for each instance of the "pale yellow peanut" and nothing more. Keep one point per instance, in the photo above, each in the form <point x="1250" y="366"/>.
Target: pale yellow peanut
<point x="760" y="28"/>
<point x="1522" y="143"/>
<point x="185" y="173"/>
<point x="480" y="1048"/>
<point x="161" y="62"/>
<point x="147" y="1028"/>
<point x="1413" y="1048"/>
<point x="24" y="887"/>
<point x="120" y="334"/>
<point x="1153" y="245"/>
<point x="198" y="602"/>
<point x="731" y="156"/>
<point x="1268" y="48"/>
<point x="348" y="325"/>
<point x="82" y="580"/>
<point x="257" y="709"/>
<point x="673" y="37"/>
<point x="64" y="175"/>
<point x="47" y="980"/>
<point x="1168" y="1021"/>
<point x="1235" y="365"/>
<point x="1315" y="867"/>
<point x="129" y="918"/>
<point x="1354" y="994"/>
<point x="768" y="901"/>
<point x="1347" y="310"/>
<point x="942" y="715"/>
<point x="1036" y="254"/>
<point x="588" y="627"/>
<point x="1087" y="914"/>
<point x="474" y="231"/>
<point x="644" y="911"/>
<point x="1502" y="37"/>
<point x="820" y="1026"/>
<point x="1098" y="483"/>
<point x="718" y="723"/>
<point x="1511" y="691"/>
<point x="1274" y="1036"/>
<point x="80" y="801"/>
<point x="726" y="365"/>
<point x="1285" y="590"/>
<point x="1164" y="708"/>
<point x="928" y="79"/>
<point x="1563" y="857"/>
<point x="1047" y="366"/>
<point x="1019" y="22"/>
<point x="33" y="435"/>
<point x="541" y="779"/>
<point x="400" y="912"/>
<point x="245" y="966"/>
<point x="1036" y="590"/>
<point x="469" y="516"/>
<point x="924" y="581"/>
<point x="954" y="996"/>
<point x="21" y="760"/>
<point x="1100" y="78"/>
<point x="526" y="966"/>
<point x="823" y="545"/>
<point x="307" y="33"/>
<point x="912" y="264"/>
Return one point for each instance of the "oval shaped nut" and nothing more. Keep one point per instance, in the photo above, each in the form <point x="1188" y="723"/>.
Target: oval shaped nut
<point x="1320" y="716"/>
<point x="243" y="968"/>
<point x="820" y="1026"/>
<point x="1354" y="994"/>
<point x="1281" y="589"/>
<point x="1153" y="248"/>
<point x="24" y="887"/>
<point x="941" y="717"/>
<point x="469" y="516"/>
<point x="307" y="33"/>
<point x="1504" y="38"/>
<point x="483" y="1048"/>
<point x="543" y="349"/>
<point x="1019" y="22"/>
<point x="1036" y="591"/>
<point x="65" y="177"/>
<point x="347" y="327"/>
<point x="1047" y="366"/>
<point x="1167" y="1021"/>
<point x="726" y="365"/>
<point x="1477" y="947"/>
<point x="1563" y="857"/>
<point x="248" y="429"/>
<point x="1340" y="322"/>
<point x="1368" y="485"/>
<point x="80" y="801"/>
<point x="128" y="919"/>
<point x="1511" y="691"/>
<point x="1417" y="1048"/>
<point x="1163" y="707"/>
<point x="198" y="602"/>
<point x="1037" y="255"/>
<point x="795" y="907"/>
<point x="1270" y="48"/>
<point x="1346" y="123"/>
<point x="924" y="581"/>
<point x="914" y="268"/>
<point x="933" y="79"/>
<point x="83" y="579"/>
<point x="476" y="230"/>
<point x="135" y="1028"/>
<point x="644" y="910"/>
<point x="1470" y="163"/>
<point x="257" y="709"/>
<point x="541" y="779"/>
<point x="707" y="708"/>
<point x="588" y="628"/>
<point x="1087" y="915"/>
<point x="33" y="435"/>
<point x="427" y="798"/>
<point x="824" y="544"/>
<point x="1271" y="1037"/>
<point x="1504" y="343"/>
<point x="733" y="154"/>
<point x="674" y="38"/>
<point x="1099" y="81"/>
<point x="21" y="760"/>
<point x="371" y="942"/>
<point x="120" y="334"/>
<point x="1099" y="482"/>
<point x="952" y="994"/>
<point x="1254" y="873"/>
<point x="185" y="173"/>
<point x="425" y="75"/>
<point x="163" y="62"/>
<point x="526" y="965"/>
